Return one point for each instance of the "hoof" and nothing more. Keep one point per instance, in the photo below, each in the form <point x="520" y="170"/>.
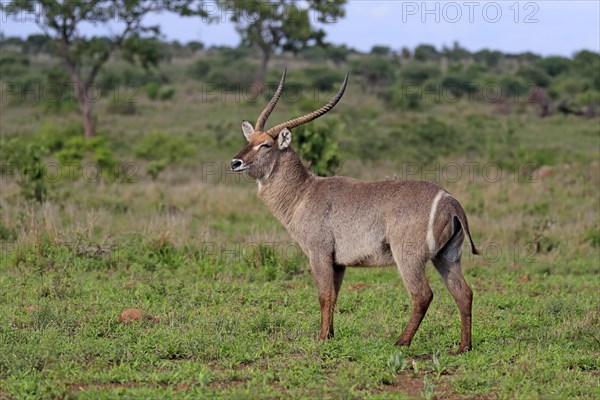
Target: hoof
<point x="460" y="350"/>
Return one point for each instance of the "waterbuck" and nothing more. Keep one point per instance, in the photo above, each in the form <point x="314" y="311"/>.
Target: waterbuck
<point x="341" y="222"/>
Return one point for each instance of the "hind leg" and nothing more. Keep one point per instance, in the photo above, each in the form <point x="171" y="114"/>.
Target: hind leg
<point x="451" y="273"/>
<point x="338" y="278"/>
<point x="412" y="270"/>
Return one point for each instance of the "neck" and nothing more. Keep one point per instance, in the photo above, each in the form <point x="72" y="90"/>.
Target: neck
<point x="284" y="187"/>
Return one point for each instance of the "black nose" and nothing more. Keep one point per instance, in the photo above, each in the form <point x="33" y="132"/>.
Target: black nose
<point x="235" y="164"/>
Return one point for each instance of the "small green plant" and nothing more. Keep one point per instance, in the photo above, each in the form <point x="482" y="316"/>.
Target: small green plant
<point x="397" y="362"/>
<point x="415" y="367"/>
<point x="428" y="391"/>
<point x="438" y="366"/>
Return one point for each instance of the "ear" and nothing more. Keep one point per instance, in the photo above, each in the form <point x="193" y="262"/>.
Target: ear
<point x="284" y="139"/>
<point x="248" y="129"/>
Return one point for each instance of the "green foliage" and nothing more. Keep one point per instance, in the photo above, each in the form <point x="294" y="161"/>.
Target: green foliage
<point x="155" y="167"/>
<point x="397" y="362"/>
<point x="231" y="76"/>
<point x="375" y="71"/>
<point x="418" y="73"/>
<point x="316" y="144"/>
<point x="459" y="85"/>
<point x="534" y="76"/>
<point x="322" y="78"/>
<point x="554" y="66"/>
<point x="381" y="50"/>
<point x="13" y="65"/>
<point x="70" y="148"/>
<point x="200" y="69"/>
<point x="426" y="139"/>
<point x="425" y="52"/>
<point x="152" y="89"/>
<point x="438" y="365"/>
<point x="163" y="146"/>
<point x="25" y="160"/>
<point x="161" y="150"/>
<point x="166" y="94"/>
<point x="428" y="391"/>
<point x="59" y="95"/>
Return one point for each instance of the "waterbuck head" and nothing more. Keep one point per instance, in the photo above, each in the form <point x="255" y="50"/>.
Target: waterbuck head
<point x="264" y="148"/>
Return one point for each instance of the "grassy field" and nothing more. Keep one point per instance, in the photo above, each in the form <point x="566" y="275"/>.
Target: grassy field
<point x="238" y="311"/>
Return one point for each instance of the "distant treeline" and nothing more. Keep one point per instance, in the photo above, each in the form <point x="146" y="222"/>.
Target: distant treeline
<point x="404" y="78"/>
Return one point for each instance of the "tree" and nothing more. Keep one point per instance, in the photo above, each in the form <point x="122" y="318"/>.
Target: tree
<point x="280" y="25"/>
<point x="84" y="56"/>
<point x="426" y="52"/>
<point x="379" y="50"/>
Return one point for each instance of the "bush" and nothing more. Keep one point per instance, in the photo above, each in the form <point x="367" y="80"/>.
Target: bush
<point x="25" y="160"/>
<point x="163" y="146"/>
<point x="200" y="69"/>
<point x="375" y="71"/>
<point x="425" y="140"/>
<point x="316" y="144"/>
<point x="400" y="97"/>
<point x="534" y="76"/>
<point x="162" y="149"/>
<point x="13" y="65"/>
<point x="418" y="74"/>
<point x="152" y="89"/>
<point x="124" y="77"/>
<point x="232" y="76"/>
<point x="321" y="78"/>
<point x="459" y="84"/>
<point x="554" y="66"/>
<point x="166" y="94"/>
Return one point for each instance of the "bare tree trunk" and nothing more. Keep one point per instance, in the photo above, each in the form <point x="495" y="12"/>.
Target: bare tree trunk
<point x="259" y="82"/>
<point x="86" y="105"/>
<point x="89" y="127"/>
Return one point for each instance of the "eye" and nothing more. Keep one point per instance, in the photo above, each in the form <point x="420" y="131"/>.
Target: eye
<point x="265" y="144"/>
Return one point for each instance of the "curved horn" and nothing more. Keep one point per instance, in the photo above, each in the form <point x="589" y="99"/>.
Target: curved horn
<point x="274" y="131"/>
<point x="262" y="118"/>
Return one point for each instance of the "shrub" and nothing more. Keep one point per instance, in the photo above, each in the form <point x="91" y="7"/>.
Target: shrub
<point x="534" y="76"/>
<point x="25" y="160"/>
<point x="200" y="69"/>
<point x="418" y="74"/>
<point x="316" y="144"/>
<point x="232" y="76"/>
<point x="554" y="66"/>
<point x="425" y="140"/>
<point x="459" y="84"/>
<point x="152" y="89"/>
<point x="375" y="71"/>
<point x="166" y="94"/>
<point x="163" y="146"/>
<point x="323" y="79"/>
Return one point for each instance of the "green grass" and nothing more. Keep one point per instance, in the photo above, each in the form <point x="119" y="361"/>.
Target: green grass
<point x="235" y="330"/>
<point x="240" y="320"/>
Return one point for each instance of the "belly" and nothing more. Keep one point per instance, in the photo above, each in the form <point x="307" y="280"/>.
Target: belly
<point x="363" y="254"/>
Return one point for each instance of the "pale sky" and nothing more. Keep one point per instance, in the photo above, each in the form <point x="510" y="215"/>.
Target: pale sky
<point x="546" y="27"/>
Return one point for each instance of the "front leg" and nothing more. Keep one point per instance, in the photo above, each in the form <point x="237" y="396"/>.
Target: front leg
<point x="321" y="265"/>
